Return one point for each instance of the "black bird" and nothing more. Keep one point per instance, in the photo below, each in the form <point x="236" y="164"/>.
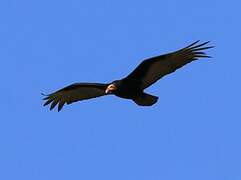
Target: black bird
<point x="131" y="87"/>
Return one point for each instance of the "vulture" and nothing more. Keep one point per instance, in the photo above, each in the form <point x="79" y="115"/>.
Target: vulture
<point x="133" y="85"/>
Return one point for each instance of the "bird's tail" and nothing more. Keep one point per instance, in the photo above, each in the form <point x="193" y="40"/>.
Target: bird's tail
<point x="145" y="100"/>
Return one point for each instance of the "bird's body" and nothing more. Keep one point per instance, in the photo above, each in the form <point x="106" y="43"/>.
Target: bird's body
<point x="127" y="89"/>
<point x="132" y="86"/>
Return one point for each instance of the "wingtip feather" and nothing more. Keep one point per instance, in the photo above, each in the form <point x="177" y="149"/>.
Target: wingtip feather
<point x="47" y="102"/>
<point x="199" y="45"/>
<point x="60" y="106"/>
<point x="46" y="96"/>
<point x="202" y="48"/>
<point x="192" y="44"/>
<point x="54" y="103"/>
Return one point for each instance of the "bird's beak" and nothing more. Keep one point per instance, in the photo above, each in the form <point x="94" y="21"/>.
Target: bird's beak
<point x="110" y="88"/>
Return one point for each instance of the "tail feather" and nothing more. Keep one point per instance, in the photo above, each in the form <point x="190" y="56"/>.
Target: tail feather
<point x="145" y="100"/>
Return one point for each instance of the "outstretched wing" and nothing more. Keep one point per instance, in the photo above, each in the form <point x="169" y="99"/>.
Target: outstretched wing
<point x="151" y="70"/>
<point x="73" y="93"/>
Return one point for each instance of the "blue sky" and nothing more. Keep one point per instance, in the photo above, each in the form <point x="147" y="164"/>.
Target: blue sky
<point x="193" y="132"/>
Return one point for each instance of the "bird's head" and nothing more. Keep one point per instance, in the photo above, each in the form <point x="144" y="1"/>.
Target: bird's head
<point x="112" y="87"/>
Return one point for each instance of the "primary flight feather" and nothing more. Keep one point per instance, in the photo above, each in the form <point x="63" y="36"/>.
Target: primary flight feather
<point x="131" y="87"/>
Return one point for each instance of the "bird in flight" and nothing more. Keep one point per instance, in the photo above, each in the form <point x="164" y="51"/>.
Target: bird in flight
<point x="132" y="86"/>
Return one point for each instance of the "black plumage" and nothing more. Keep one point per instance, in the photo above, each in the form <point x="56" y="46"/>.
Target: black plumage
<point x="131" y="87"/>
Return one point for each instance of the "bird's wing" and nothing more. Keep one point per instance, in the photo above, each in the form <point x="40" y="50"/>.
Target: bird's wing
<point x="73" y="93"/>
<point x="151" y="70"/>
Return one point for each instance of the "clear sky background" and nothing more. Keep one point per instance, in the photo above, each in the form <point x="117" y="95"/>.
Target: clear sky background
<point x="192" y="133"/>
